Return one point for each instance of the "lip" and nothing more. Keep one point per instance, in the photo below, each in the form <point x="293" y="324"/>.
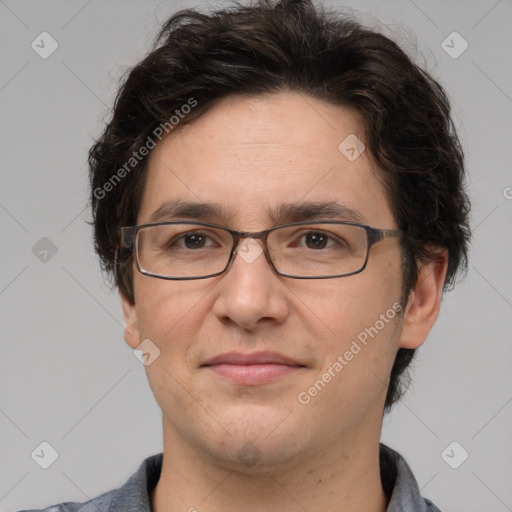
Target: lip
<point x="252" y="369"/>
<point x="238" y="358"/>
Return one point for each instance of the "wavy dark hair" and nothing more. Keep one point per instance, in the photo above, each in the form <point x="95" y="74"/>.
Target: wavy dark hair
<point x="292" y="45"/>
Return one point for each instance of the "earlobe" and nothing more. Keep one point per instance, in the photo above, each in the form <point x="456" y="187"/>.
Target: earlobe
<point x="424" y="303"/>
<point x="131" y="326"/>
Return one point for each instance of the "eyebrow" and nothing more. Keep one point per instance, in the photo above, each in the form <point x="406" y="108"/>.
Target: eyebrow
<point x="283" y="213"/>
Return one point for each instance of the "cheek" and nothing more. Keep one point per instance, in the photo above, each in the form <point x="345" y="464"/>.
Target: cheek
<point x="363" y="314"/>
<point x="355" y="374"/>
<point x="162" y="314"/>
<point x="352" y="305"/>
<point x="171" y="314"/>
<point x="168" y="317"/>
<point x="162" y="306"/>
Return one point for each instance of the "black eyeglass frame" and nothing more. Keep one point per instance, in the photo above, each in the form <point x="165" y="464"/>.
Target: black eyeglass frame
<point x="373" y="235"/>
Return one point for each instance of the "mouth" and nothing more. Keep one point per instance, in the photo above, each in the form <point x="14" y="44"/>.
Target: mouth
<point x="252" y="369"/>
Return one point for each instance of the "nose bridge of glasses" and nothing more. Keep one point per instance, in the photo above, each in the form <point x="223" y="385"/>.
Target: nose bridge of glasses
<point x="250" y="245"/>
<point x="239" y="237"/>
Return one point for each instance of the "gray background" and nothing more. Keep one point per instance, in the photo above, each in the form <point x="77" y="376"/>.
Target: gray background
<point x="68" y="378"/>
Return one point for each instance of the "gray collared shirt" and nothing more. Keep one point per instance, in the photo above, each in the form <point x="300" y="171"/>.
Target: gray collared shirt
<point x="134" y="495"/>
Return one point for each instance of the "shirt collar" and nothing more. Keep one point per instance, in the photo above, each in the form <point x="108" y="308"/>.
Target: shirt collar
<point x="406" y="493"/>
<point x="134" y="495"/>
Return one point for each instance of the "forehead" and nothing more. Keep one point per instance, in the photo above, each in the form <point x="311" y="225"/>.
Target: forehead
<point x="254" y="154"/>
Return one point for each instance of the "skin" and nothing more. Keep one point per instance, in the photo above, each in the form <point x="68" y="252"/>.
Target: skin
<point x="251" y="154"/>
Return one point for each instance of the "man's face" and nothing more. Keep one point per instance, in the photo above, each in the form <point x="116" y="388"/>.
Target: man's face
<point x="250" y="156"/>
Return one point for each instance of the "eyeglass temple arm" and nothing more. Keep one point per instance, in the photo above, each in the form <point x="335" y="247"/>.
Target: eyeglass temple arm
<point x="376" y="235"/>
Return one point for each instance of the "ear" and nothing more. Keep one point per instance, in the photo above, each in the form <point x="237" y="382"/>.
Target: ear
<point x="131" y="325"/>
<point x="424" y="302"/>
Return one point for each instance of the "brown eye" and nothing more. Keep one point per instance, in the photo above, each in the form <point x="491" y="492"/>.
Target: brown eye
<point x="194" y="240"/>
<point x="316" y="240"/>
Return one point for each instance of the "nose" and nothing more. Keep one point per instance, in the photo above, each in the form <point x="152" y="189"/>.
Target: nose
<point x="250" y="293"/>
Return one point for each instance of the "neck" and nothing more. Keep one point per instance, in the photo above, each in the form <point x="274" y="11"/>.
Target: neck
<point x="341" y="477"/>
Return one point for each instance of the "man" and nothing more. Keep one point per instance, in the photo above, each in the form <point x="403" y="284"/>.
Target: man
<point x="279" y="196"/>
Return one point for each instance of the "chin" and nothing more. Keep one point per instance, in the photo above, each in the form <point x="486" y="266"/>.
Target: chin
<point x="251" y="438"/>
<point x="253" y="456"/>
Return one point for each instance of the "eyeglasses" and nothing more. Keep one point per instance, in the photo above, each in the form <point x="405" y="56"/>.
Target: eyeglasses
<point x="182" y="250"/>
